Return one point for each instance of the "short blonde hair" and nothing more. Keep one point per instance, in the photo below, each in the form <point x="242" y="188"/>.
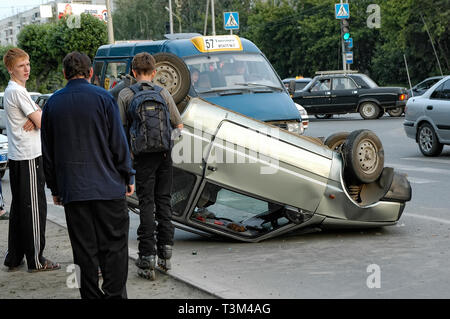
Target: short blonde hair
<point x="12" y="55"/>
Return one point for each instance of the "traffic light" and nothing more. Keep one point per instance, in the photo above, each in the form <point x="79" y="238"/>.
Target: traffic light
<point x="345" y="29"/>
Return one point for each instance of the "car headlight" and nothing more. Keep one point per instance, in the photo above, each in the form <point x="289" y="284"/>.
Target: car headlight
<point x="301" y="110"/>
<point x="295" y="127"/>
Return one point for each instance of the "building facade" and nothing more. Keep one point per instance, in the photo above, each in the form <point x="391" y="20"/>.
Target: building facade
<point x="10" y="27"/>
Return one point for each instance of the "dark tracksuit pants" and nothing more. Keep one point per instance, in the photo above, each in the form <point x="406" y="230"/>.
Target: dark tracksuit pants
<point x="153" y="188"/>
<point x="98" y="232"/>
<point x="28" y="213"/>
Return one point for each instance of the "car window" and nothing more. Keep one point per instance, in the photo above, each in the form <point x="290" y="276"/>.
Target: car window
<point x="446" y="90"/>
<point x="299" y="85"/>
<point x="181" y="190"/>
<point x="321" y="85"/>
<point x="343" y="83"/>
<point x="230" y="71"/>
<point x="236" y="212"/>
<point x="113" y="70"/>
<point x="96" y="78"/>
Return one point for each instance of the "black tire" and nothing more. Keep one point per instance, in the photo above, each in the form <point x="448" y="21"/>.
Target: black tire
<point x="380" y="115"/>
<point x="428" y="142"/>
<point x="335" y="141"/>
<point x="172" y="74"/>
<point x="364" y="156"/>
<point x="396" y="112"/>
<point x="323" y="116"/>
<point x="369" y="110"/>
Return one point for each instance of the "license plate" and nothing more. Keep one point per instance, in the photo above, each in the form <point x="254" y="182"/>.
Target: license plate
<point x="3" y="157"/>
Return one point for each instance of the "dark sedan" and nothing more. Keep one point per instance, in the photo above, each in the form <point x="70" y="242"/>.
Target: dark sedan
<point x="335" y="92"/>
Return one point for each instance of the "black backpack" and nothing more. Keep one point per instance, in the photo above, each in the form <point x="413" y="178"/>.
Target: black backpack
<point x="150" y="129"/>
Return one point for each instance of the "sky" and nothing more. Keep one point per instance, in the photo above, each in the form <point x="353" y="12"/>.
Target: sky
<point x="11" y="7"/>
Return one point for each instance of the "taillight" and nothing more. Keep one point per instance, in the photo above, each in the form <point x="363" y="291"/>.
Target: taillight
<point x="403" y="97"/>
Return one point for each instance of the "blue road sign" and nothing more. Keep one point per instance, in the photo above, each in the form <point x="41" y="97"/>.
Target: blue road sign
<point x="342" y="10"/>
<point x="349" y="42"/>
<point x="349" y="57"/>
<point x="231" y="20"/>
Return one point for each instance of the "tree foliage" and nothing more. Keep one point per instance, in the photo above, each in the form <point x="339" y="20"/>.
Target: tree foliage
<point x="47" y="44"/>
<point x="299" y="37"/>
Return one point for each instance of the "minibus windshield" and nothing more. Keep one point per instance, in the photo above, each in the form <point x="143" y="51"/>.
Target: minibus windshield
<point x="231" y="71"/>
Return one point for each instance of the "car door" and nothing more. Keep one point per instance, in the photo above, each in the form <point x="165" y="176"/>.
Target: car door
<point x="316" y="100"/>
<point x="438" y="109"/>
<point x="344" y="94"/>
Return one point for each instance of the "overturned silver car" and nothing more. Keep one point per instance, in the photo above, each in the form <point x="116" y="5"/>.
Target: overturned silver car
<point x="248" y="180"/>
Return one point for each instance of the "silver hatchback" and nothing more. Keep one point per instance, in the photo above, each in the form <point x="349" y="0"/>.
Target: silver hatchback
<point x="427" y="118"/>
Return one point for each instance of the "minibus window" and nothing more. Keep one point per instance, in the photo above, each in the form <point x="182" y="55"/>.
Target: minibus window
<point x="113" y="70"/>
<point x="96" y="78"/>
<point x="230" y="71"/>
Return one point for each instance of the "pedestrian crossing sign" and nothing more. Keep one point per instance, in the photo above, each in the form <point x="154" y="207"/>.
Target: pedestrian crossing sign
<point x="231" y="20"/>
<point x="342" y="11"/>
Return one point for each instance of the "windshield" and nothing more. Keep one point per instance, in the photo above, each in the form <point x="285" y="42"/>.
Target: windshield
<point x="231" y="71"/>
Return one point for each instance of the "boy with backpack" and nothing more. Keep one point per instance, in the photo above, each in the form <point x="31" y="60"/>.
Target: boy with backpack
<point x="149" y="113"/>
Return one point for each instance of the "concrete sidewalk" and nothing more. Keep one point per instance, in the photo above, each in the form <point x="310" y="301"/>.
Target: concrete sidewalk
<point x="52" y="284"/>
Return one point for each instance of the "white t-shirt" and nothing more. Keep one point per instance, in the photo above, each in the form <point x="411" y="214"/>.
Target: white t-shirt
<point x="18" y="104"/>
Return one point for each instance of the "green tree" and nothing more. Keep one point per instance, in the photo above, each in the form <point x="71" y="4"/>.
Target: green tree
<point x="4" y="75"/>
<point x="47" y="44"/>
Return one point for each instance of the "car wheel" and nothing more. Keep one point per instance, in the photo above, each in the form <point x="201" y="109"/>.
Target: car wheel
<point x="428" y="142"/>
<point x="380" y="115"/>
<point x="398" y="111"/>
<point x="172" y="74"/>
<point x="364" y="156"/>
<point x="369" y="110"/>
<point x="323" y="116"/>
<point x="335" y="141"/>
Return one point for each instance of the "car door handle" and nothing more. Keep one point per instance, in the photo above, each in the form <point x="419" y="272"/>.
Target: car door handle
<point x="212" y="168"/>
<point x="429" y="107"/>
<point x="327" y="93"/>
<point x="355" y="92"/>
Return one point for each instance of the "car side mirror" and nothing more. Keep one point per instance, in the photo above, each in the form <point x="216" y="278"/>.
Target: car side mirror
<point x="291" y="88"/>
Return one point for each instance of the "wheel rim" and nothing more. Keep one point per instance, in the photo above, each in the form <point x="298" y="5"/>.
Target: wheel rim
<point x="367" y="156"/>
<point x="168" y="76"/>
<point x="426" y="139"/>
<point x="369" y="110"/>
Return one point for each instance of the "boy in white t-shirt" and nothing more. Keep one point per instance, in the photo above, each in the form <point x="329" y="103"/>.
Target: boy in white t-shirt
<point x="28" y="213"/>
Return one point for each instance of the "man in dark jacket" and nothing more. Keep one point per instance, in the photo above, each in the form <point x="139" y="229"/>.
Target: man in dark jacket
<point x="88" y="170"/>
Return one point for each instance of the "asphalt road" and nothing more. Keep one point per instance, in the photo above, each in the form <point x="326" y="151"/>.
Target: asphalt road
<point x="408" y="260"/>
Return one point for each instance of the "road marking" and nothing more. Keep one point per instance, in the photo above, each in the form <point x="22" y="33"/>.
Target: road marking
<point x="419" y="169"/>
<point x="415" y="180"/>
<point x="432" y="160"/>
<point x="435" y="219"/>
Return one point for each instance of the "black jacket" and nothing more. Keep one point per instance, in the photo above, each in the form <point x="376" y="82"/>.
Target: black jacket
<point x="85" y="151"/>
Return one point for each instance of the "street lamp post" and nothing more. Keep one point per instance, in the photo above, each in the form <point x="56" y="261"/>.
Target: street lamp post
<point x="109" y="23"/>
<point x="170" y="16"/>
<point x="178" y="18"/>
